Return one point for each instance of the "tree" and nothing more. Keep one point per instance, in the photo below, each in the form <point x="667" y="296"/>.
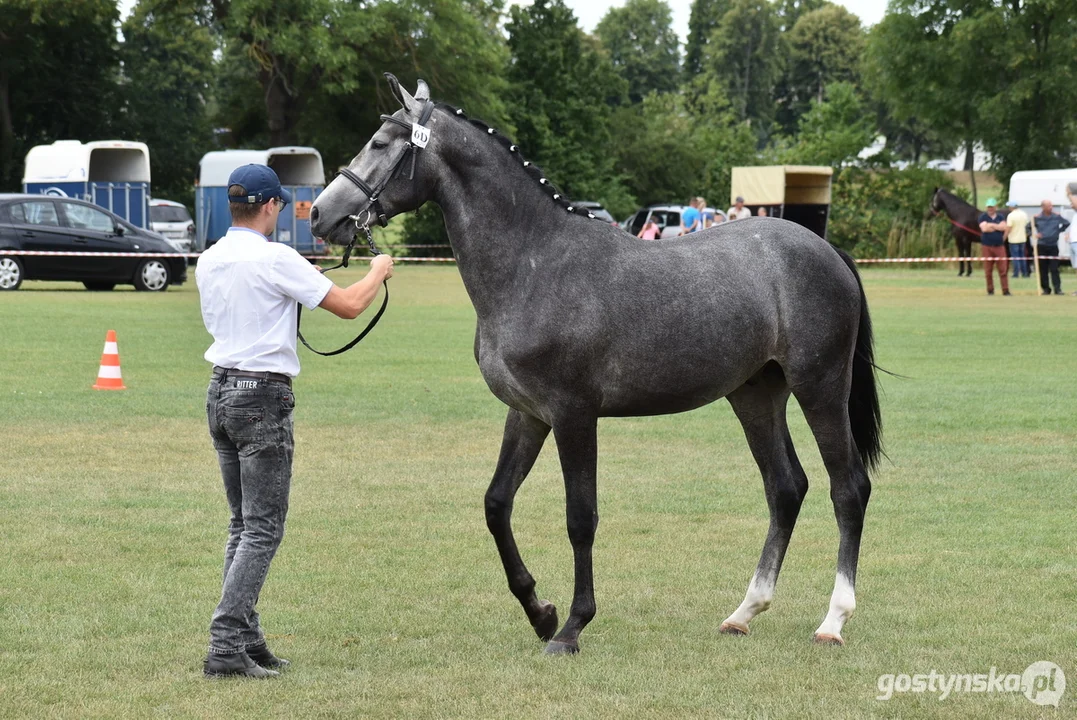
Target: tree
<point x="922" y="66"/>
<point x="58" y="72"/>
<point x="642" y="46"/>
<point x="790" y="11"/>
<point x="825" y="46"/>
<point x="1027" y="124"/>
<point x="835" y="130"/>
<point x="562" y="121"/>
<point x="168" y="71"/>
<point x="704" y="18"/>
<point x="293" y="50"/>
<point x="744" y="58"/>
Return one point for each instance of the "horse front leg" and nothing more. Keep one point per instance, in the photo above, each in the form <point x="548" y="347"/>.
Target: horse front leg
<point x="577" y="446"/>
<point x="520" y="447"/>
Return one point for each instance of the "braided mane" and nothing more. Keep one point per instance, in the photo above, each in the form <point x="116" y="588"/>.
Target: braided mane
<point x="529" y="167"/>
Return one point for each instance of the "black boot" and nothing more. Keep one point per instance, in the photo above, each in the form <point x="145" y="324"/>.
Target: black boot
<point x="263" y="656"/>
<point x="234" y="665"/>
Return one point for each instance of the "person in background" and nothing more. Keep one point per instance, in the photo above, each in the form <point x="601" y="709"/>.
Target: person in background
<point x="993" y="227"/>
<point x="706" y="216"/>
<point x="650" y="229"/>
<point x="738" y="211"/>
<point x="1016" y="237"/>
<point x="1049" y="225"/>
<point x="761" y="212"/>
<point x="690" y="218"/>
<point x="1071" y="193"/>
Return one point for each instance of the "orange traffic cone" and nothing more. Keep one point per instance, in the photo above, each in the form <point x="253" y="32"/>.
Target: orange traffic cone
<point x="108" y="377"/>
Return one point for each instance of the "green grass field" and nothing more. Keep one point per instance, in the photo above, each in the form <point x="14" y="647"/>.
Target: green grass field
<point x="387" y="594"/>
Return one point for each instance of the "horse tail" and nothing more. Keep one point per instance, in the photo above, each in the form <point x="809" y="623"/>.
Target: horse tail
<point x="865" y="417"/>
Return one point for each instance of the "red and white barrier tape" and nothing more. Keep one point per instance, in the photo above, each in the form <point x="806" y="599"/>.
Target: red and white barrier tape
<point x="952" y="259"/>
<point x="864" y="261"/>
<point x="60" y="253"/>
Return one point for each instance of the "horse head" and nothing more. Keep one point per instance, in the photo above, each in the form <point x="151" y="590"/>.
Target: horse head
<point x="936" y="204"/>
<point x="386" y="178"/>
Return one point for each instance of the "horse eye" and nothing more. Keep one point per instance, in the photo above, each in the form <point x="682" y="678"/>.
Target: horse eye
<point x="378" y="144"/>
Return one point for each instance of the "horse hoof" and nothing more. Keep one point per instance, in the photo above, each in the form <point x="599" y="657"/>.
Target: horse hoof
<point x="733" y="629"/>
<point x="557" y="647"/>
<point x="546" y="625"/>
<point x="828" y="639"/>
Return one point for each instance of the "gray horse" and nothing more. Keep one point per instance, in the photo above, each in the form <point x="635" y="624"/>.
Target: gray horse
<point x="579" y="320"/>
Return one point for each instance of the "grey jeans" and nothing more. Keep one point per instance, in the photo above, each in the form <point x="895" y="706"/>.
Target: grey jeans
<point x="250" y="422"/>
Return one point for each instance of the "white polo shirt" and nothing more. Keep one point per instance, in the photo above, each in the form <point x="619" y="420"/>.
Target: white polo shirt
<point x="249" y="288"/>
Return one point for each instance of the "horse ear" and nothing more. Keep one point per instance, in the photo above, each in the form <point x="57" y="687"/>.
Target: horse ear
<point x="422" y="92"/>
<point x="402" y="96"/>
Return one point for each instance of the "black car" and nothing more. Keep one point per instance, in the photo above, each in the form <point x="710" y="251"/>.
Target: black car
<point x="42" y="222"/>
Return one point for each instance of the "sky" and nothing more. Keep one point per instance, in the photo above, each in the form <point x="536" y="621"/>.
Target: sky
<point x="589" y="12"/>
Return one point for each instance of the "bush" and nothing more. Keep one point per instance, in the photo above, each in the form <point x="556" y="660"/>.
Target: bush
<point x="426" y="227"/>
<point x="877" y="213"/>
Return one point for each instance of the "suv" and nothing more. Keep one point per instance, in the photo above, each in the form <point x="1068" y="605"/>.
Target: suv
<point x="172" y="220"/>
<point x="668" y="217"/>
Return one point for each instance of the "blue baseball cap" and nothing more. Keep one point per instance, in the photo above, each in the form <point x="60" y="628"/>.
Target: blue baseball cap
<point x="260" y="185"/>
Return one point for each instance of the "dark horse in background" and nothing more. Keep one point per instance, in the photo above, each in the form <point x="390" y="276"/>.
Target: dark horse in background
<point x="579" y="320"/>
<point x="964" y="224"/>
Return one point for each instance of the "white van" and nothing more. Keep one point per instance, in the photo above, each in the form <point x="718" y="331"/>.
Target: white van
<point x="1031" y="187"/>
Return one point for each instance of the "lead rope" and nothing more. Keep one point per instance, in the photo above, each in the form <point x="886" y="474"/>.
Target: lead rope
<point x="344" y="264"/>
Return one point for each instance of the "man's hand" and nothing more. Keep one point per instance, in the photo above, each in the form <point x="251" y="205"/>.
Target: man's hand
<point x="383" y="265"/>
<point x="348" y="302"/>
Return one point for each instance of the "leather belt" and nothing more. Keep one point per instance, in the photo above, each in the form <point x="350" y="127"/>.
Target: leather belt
<point x="221" y="373"/>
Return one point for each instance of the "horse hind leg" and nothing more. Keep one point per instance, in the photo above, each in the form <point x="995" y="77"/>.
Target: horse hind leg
<point x="850" y="489"/>
<point x="760" y="406"/>
<point x="520" y="447"/>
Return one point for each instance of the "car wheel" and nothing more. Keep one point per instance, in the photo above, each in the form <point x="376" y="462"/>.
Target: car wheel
<point x="106" y="286"/>
<point x="152" y="276"/>
<point x="10" y="273"/>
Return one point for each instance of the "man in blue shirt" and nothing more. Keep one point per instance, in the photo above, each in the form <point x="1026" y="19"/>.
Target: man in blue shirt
<point x="993" y="227"/>
<point x="1049" y="225"/>
<point x="690" y="219"/>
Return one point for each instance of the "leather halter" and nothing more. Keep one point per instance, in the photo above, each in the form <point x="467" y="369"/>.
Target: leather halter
<point x="374" y="205"/>
<point x="373" y="192"/>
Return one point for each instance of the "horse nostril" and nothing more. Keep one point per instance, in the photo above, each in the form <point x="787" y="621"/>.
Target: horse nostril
<point x="314" y="214"/>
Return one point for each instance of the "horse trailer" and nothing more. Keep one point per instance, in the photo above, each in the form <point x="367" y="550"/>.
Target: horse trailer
<point x="300" y="171"/>
<point x="1029" y="188"/>
<point x="114" y="174"/>
<point x="799" y="193"/>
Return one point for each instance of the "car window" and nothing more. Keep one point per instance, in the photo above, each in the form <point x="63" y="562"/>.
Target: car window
<point x="86" y="218"/>
<point x="169" y="213"/>
<point x="41" y="212"/>
<point x="637" y="222"/>
<point x="667" y="218"/>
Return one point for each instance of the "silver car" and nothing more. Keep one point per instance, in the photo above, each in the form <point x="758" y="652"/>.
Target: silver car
<point x="172" y="220"/>
<point x="667" y="216"/>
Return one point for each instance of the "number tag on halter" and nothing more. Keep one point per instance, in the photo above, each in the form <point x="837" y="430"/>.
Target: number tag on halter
<point x="420" y="135"/>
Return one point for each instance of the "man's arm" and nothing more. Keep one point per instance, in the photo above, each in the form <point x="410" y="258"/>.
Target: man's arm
<point x="349" y="302"/>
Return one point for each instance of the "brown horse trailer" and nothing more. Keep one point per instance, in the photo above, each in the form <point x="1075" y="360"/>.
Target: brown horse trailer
<point x="799" y="193"/>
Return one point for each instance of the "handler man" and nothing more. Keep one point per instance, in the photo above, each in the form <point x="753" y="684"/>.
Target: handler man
<point x="1049" y="226"/>
<point x="249" y="288"/>
<point x="992" y="243"/>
